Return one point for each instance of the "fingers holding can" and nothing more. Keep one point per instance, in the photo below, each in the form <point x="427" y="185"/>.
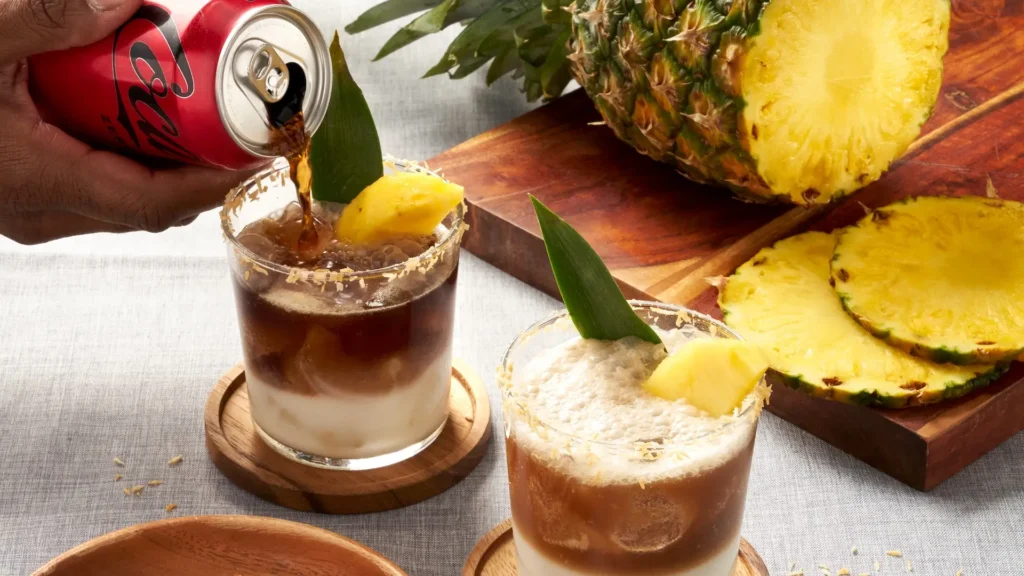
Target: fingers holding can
<point x="34" y="26"/>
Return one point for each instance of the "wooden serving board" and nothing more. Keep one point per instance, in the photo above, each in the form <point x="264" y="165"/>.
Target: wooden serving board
<point x="663" y="235"/>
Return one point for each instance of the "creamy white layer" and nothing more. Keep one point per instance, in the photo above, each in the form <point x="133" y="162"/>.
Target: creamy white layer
<point x="531" y="562"/>
<point x="588" y="397"/>
<point x="347" y="425"/>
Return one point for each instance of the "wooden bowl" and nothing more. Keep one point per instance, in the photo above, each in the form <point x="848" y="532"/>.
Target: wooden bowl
<point x="221" y="546"/>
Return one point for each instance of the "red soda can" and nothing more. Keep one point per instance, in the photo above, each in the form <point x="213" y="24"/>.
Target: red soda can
<point x="190" y="80"/>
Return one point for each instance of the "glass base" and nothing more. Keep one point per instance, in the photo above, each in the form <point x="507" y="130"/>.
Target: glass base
<point x="368" y="463"/>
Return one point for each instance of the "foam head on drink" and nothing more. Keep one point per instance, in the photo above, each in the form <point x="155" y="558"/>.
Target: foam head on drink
<point x="606" y="478"/>
<point x="347" y="345"/>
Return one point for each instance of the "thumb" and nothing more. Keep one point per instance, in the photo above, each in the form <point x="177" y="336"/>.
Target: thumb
<point x="32" y="26"/>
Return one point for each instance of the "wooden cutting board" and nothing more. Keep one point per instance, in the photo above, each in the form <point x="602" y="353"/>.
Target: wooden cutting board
<point x="663" y="235"/>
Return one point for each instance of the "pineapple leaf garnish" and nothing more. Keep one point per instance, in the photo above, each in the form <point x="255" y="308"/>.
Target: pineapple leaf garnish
<point x="345" y="152"/>
<point x="593" y="299"/>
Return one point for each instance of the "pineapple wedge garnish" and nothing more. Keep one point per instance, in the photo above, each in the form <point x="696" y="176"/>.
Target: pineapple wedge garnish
<point x="402" y="204"/>
<point x="712" y="374"/>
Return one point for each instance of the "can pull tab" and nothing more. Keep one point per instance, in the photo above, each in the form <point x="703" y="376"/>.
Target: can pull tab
<point x="268" y="73"/>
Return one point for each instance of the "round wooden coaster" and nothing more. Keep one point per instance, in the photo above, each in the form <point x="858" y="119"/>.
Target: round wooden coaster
<point x="495" y="555"/>
<point x="237" y="450"/>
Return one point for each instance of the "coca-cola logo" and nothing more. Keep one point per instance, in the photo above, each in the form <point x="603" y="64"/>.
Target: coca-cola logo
<point x="141" y="82"/>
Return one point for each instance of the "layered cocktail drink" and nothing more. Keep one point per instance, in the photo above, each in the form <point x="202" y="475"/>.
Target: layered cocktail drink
<point x="347" y="345"/>
<point x="608" y="479"/>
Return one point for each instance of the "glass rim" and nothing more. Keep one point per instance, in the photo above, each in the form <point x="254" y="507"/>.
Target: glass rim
<point x="506" y="368"/>
<point x="279" y="165"/>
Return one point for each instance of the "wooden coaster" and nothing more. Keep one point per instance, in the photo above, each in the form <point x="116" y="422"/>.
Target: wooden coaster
<point x="237" y="450"/>
<point x="495" y="555"/>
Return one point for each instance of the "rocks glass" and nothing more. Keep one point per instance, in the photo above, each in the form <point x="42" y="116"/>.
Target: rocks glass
<point x="346" y="368"/>
<point x="666" y="496"/>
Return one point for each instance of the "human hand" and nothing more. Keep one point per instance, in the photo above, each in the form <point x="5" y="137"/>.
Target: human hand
<point x="52" y="185"/>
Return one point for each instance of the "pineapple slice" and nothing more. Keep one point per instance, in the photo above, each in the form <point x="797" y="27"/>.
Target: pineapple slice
<point x="782" y="301"/>
<point x="942" y="278"/>
<point x="713" y="374"/>
<point x="401" y="204"/>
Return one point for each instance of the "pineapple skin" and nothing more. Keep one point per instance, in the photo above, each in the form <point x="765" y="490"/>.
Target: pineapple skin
<point x="877" y="399"/>
<point x="758" y="272"/>
<point x="675" y="102"/>
<point x="902" y="337"/>
<point x="667" y="78"/>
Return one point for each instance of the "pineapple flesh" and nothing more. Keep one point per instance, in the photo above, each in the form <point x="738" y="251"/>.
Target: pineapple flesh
<point x="781" y="300"/>
<point x="396" y="205"/>
<point x="801" y="101"/>
<point x="940" y="277"/>
<point x="713" y="374"/>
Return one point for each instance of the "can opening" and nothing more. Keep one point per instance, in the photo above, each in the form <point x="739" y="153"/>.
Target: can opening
<point x="268" y="73"/>
<point x="274" y="69"/>
<point x="290" y="104"/>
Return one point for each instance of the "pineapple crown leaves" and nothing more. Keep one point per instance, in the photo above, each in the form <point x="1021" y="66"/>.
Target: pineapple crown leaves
<point x="525" y="38"/>
<point x="592" y="297"/>
<point x="529" y="39"/>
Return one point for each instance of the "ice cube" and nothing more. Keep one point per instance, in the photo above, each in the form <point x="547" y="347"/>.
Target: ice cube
<point x="262" y="246"/>
<point x="261" y="338"/>
<point x="290" y="214"/>
<point x="270" y="369"/>
<point x="377" y="259"/>
<point x="554" y="522"/>
<point x="315" y="366"/>
<point x="264" y="338"/>
<point x="653" y="522"/>
<point x="393" y="254"/>
<point x="413" y="246"/>
<point x="341" y="254"/>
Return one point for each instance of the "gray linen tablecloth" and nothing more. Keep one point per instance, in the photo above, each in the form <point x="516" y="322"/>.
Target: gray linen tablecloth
<point x="110" y="344"/>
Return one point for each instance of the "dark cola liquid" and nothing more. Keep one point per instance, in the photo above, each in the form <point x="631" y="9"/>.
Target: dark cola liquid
<point x="289" y="138"/>
<point x="291" y="141"/>
<point x="371" y="352"/>
<point x="369" y="337"/>
<point x="666" y="527"/>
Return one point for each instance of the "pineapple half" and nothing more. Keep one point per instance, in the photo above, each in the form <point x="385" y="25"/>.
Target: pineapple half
<point x="799" y="100"/>
<point x="782" y="301"/>
<point x="940" y="277"/>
